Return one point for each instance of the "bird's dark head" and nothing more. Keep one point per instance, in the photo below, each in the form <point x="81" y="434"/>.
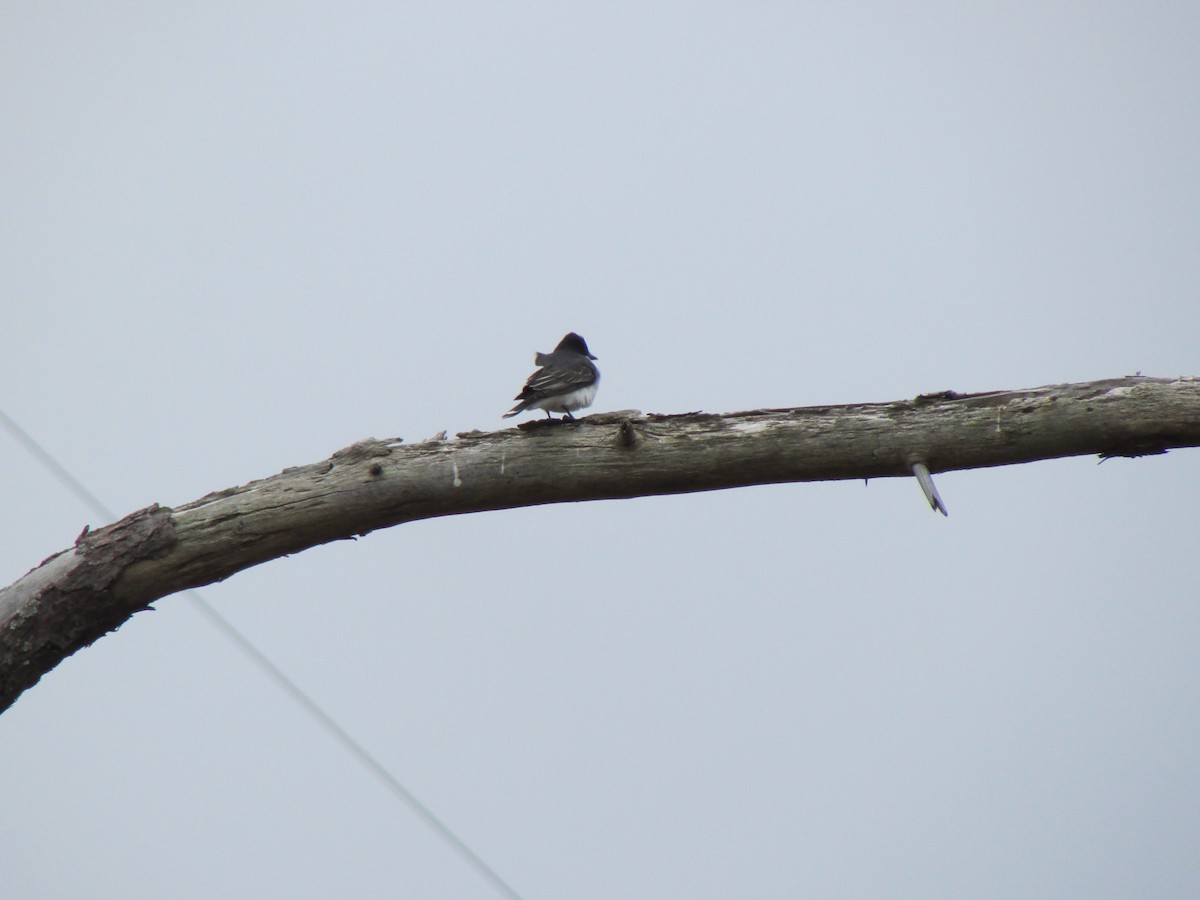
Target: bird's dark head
<point x="575" y="344"/>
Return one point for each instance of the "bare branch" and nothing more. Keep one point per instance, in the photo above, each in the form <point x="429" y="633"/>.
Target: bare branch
<point x="82" y="593"/>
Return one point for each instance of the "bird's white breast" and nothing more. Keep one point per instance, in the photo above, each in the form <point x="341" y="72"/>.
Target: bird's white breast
<point x="577" y="399"/>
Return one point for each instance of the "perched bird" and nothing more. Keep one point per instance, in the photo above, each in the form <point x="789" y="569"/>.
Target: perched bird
<point x="567" y="380"/>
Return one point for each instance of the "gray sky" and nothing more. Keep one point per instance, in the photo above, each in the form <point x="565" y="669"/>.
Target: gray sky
<point x="237" y="237"/>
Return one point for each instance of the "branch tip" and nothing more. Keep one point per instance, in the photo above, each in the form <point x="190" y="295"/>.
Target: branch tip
<point x="925" y="480"/>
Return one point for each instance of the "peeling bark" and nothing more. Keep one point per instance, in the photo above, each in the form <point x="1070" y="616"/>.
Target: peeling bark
<point x="68" y="601"/>
<point x="80" y="594"/>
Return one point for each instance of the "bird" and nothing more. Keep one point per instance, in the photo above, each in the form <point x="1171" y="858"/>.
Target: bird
<point x="567" y="380"/>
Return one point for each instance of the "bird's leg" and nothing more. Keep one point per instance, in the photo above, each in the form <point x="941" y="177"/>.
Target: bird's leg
<point x="567" y="415"/>
<point x="548" y="416"/>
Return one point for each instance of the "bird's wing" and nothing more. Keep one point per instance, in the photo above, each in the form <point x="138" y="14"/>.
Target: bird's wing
<point x="557" y="379"/>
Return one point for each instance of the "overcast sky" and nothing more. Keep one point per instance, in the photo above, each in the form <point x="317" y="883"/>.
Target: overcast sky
<point x="235" y="237"/>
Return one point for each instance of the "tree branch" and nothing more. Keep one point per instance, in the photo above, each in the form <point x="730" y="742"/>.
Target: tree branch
<point x="82" y="593"/>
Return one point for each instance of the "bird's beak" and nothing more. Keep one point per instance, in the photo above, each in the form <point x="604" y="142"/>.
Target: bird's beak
<point x="592" y="357"/>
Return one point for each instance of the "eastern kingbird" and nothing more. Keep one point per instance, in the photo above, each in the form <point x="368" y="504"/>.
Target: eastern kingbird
<point x="567" y="380"/>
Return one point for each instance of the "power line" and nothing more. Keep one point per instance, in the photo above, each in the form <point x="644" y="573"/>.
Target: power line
<point x="272" y="671"/>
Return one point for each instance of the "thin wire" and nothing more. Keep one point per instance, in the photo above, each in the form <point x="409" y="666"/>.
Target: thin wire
<point x="293" y="690"/>
<point x="358" y="750"/>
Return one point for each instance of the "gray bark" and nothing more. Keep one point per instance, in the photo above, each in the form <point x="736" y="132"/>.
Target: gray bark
<point x="84" y="592"/>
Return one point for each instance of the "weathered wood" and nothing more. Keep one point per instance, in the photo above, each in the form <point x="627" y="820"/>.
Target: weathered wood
<point x="78" y="595"/>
